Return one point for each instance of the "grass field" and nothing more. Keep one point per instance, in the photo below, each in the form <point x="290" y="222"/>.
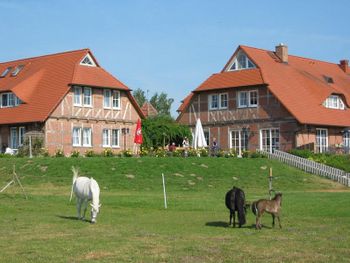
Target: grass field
<point x="133" y="225"/>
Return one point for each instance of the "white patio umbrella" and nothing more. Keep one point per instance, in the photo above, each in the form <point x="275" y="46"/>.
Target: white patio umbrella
<point x="199" y="138"/>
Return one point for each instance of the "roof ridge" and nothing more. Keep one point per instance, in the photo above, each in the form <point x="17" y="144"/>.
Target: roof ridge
<point x="47" y="55"/>
<point x="290" y="55"/>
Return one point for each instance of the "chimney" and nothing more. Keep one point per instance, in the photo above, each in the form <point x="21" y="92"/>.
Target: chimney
<point x="282" y="52"/>
<point x="344" y="65"/>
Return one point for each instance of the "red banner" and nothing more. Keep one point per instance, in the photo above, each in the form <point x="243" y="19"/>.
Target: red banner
<point x="138" y="133"/>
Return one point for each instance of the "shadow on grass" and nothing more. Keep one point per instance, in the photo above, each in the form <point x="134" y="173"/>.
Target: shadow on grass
<point x="225" y="224"/>
<point x="73" y="218"/>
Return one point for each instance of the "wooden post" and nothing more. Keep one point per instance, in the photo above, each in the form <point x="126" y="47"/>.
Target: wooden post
<point x="30" y="147"/>
<point x="165" y="202"/>
<point x="270" y="182"/>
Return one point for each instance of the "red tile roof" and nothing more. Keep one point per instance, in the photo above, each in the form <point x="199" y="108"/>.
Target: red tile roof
<point x="45" y="80"/>
<point x="299" y="85"/>
<point x="148" y="109"/>
<point x="232" y="79"/>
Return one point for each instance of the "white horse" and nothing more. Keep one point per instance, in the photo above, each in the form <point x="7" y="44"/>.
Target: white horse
<point x="85" y="189"/>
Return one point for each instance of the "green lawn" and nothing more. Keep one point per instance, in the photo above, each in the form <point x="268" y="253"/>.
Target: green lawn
<point x="133" y="225"/>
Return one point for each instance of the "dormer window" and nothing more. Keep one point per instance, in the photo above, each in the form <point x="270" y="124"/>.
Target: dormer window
<point x="17" y="70"/>
<point x="241" y="61"/>
<point x="9" y="99"/>
<point x="334" y="102"/>
<point x="88" y="61"/>
<point x="5" y="72"/>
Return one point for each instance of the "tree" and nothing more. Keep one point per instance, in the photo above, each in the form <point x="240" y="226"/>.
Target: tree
<point x="159" y="131"/>
<point x="162" y="103"/>
<point x="139" y="96"/>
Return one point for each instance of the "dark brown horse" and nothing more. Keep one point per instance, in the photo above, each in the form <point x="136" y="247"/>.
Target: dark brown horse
<point x="235" y="201"/>
<point x="272" y="207"/>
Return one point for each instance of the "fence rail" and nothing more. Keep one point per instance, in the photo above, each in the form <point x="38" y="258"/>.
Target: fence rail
<point x="311" y="166"/>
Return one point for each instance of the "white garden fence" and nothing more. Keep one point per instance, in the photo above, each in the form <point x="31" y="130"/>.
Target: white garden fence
<point x="311" y="166"/>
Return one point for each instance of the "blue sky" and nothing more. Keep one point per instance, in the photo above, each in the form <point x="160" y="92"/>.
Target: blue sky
<point x="172" y="46"/>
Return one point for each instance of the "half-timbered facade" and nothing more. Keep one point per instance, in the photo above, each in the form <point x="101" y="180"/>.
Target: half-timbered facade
<point x="70" y="100"/>
<point x="271" y="100"/>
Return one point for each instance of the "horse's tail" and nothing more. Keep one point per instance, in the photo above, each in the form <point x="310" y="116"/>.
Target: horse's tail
<point x="75" y="176"/>
<point x="230" y="200"/>
<point x="254" y="208"/>
<point x="240" y="197"/>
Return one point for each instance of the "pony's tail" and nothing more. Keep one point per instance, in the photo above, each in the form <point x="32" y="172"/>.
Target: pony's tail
<point x="240" y="208"/>
<point x="75" y="176"/>
<point x="254" y="208"/>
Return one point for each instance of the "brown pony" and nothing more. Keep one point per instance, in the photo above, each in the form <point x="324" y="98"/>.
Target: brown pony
<point x="272" y="207"/>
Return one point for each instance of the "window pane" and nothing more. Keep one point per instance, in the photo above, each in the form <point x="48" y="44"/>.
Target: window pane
<point x="4" y="99"/>
<point x="116" y="99"/>
<point x="87" y="137"/>
<point x="87" y="96"/>
<point x="241" y="60"/>
<point x="321" y="140"/>
<point x="233" y="67"/>
<point x="243" y="101"/>
<point x="107" y="98"/>
<point x="250" y="64"/>
<point x="13" y="138"/>
<point x="244" y="140"/>
<point x="76" y="136"/>
<point x="11" y="100"/>
<point x="253" y="98"/>
<point x="235" y="140"/>
<point x="115" y="137"/>
<point x="5" y="72"/>
<point x="21" y="135"/>
<point x="77" y="95"/>
<point x="105" y="137"/>
<point x="223" y="100"/>
<point x="214" y="101"/>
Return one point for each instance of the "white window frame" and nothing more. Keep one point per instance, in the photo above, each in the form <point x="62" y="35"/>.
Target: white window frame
<point x="106" y="138"/>
<point x="240" y="136"/>
<point x="76" y="136"/>
<point x="219" y="101"/>
<point x="17" y="70"/>
<point x="248" y="95"/>
<point x="117" y="131"/>
<point x="87" y="97"/>
<point x="321" y="140"/>
<point x="13" y="138"/>
<point x="334" y="102"/>
<point x="269" y="142"/>
<point x="87" y="134"/>
<point x="234" y="66"/>
<point x="5" y="72"/>
<point x="207" y="135"/>
<point x="11" y="100"/>
<point x="77" y="99"/>
<point x="211" y="107"/>
<point x="21" y="132"/>
<point x="116" y="98"/>
<point x="91" y="61"/>
<point x="346" y="139"/>
<point x="107" y="95"/>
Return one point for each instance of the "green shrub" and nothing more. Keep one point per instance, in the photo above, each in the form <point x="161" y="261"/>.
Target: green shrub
<point x="246" y="154"/>
<point x="107" y="153"/>
<point x="37" y="144"/>
<point x="90" y="153"/>
<point x="257" y="155"/>
<point x="127" y="153"/>
<point x="304" y="153"/>
<point x="59" y="153"/>
<point x="75" y="153"/>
